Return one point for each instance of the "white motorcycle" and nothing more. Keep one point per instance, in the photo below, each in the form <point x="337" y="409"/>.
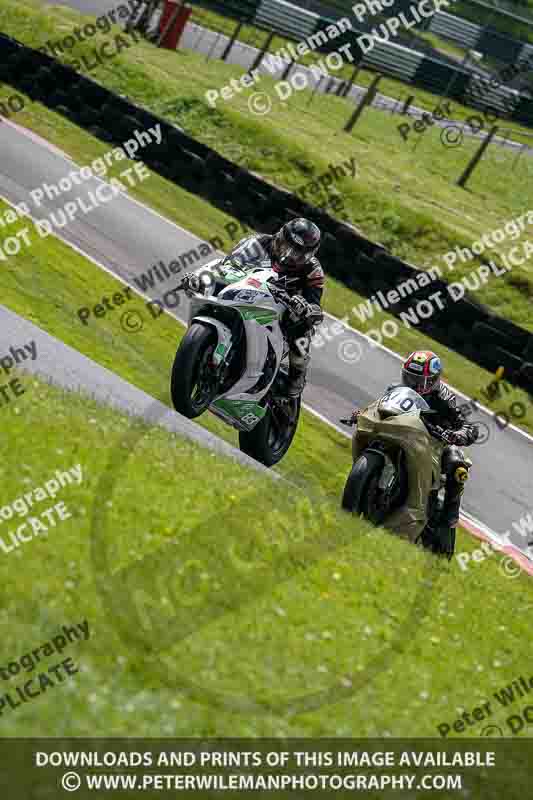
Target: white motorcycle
<point x="233" y="360"/>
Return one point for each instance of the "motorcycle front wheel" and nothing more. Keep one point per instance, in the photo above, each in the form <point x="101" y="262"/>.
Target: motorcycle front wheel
<point x="193" y="385"/>
<point x="361" y="493"/>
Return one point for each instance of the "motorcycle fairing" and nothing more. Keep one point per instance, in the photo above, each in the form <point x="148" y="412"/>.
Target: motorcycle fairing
<point x="240" y="406"/>
<point x="423" y="458"/>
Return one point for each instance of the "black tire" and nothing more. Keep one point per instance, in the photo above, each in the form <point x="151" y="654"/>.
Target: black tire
<point x="88" y="116"/>
<point x="361" y="491"/>
<point x="195" y="348"/>
<point x="270" y="440"/>
<point x="100" y="133"/>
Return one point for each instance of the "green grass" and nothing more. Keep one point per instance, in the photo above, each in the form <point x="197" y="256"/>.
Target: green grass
<point x="220" y="607"/>
<point x="445" y="46"/>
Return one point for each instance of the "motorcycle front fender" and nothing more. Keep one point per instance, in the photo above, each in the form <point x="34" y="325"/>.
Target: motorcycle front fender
<point x="225" y="339"/>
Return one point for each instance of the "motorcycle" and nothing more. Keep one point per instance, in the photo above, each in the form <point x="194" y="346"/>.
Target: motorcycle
<point x="233" y="360"/>
<point x="396" y="477"/>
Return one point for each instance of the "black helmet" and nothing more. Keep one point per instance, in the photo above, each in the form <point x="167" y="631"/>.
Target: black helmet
<point x="295" y="245"/>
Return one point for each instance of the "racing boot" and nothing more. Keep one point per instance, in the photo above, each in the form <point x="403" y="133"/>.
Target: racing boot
<point x="452" y="505"/>
<point x="298" y="363"/>
<point x="297" y="381"/>
<point x="439" y="535"/>
<point x="456" y="467"/>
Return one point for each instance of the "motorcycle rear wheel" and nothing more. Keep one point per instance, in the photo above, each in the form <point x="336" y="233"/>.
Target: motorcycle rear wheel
<point x="192" y="387"/>
<point x="271" y="438"/>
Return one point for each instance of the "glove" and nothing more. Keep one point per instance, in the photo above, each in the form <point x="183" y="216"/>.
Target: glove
<point x="351" y="421"/>
<point x="455" y="437"/>
<point x="354" y="417"/>
<point x="190" y="282"/>
<point x="315" y="314"/>
<point x="299" y="306"/>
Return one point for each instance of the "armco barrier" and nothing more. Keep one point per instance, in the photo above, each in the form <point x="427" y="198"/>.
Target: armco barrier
<point x="465" y="326"/>
<point x="402" y="57"/>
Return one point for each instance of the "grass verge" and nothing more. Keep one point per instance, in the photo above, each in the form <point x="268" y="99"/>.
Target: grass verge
<point x="221" y="603"/>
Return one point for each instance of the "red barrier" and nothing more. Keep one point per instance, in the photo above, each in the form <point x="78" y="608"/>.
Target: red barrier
<point x="174" y="30"/>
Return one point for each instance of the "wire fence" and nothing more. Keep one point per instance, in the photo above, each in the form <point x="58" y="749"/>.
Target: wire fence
<point x="507" y="146"/>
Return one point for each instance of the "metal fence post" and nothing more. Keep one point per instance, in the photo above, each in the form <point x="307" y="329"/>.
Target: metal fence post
<point x="476" y="158"/>
<point x="341" y="88"/>
<point x="263" y="50"/>
<point x="367" y="100"/>
<point x="315" y="90"/>
<point x="234" y="37"/>
<point x="287" y="70"/>
<point x="212" y="49"/>
<point x="407" y="104"/>
<point x="350" y="83"/>
<point x="329" y="85"/>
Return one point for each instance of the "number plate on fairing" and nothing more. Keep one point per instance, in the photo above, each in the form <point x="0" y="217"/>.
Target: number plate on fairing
<point x="401" y="400"/>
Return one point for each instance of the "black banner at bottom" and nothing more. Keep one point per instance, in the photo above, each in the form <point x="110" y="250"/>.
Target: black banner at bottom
<point x="477" y="769"/>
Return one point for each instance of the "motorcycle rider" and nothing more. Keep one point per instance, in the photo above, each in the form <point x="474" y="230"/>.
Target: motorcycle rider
<point x="422" y="371"/>
<point x="292" y="254"/>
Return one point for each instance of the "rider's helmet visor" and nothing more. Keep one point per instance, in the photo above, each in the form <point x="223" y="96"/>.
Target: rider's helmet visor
<point x="288" y="255"/>
<point x="423" y="384"/>
<point x="422" y="372"/>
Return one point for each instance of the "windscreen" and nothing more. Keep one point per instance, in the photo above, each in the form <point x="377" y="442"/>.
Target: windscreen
<point x="401" y="400"/>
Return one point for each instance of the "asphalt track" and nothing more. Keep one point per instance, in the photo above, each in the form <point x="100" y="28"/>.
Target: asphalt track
<point x="127" y="238"/>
